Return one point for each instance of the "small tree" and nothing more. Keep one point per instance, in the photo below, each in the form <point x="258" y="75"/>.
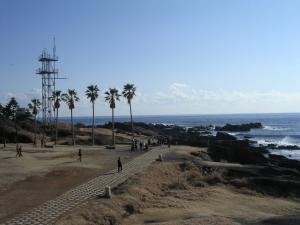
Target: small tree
<point x="128" y="93"/>
<point x="10" y="109"/>
<point x="111" y="96"/>
<point x="92" y="94"/>
<point x="1" y="111"/>
<point x="10" y="112"/>
<point x="70" y="98"/>
<point x="35" y="107"/>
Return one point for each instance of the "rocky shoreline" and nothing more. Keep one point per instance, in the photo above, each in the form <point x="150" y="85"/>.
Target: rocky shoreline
<point x="221" y="145"/>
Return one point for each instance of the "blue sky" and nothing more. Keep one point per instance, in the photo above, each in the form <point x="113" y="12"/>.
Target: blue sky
<point x="185" y="57"/>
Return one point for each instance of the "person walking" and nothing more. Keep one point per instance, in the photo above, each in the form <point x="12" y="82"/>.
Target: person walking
<point x="132" y="144"/>
<point x="119" y="165"/>
<point x="79" y="155"/>
<point x="135" y="145"/>
<point x="141" y="146"/>
<point x="20" y="151"/>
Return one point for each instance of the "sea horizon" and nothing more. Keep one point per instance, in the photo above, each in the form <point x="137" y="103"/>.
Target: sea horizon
<point x="187" y="115"/>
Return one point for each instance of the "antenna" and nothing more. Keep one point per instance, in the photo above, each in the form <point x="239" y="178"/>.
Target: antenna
<point x="54" y="46"/>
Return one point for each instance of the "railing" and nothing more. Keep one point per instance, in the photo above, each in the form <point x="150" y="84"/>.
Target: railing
<point x="46" y="71"/>
<point x="47" y="57"/>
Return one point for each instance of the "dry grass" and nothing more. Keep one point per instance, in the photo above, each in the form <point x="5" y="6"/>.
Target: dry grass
<point x="178" y="193"/>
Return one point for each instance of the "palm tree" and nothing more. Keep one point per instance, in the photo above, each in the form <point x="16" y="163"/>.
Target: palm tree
<point x="35" y="106"/>
<point x="56" y="97"/>
<point x="92" y="94"/>
<point x="70" y="98"/>
<point x="111" y="96"/>
<point x="129" y="93"/>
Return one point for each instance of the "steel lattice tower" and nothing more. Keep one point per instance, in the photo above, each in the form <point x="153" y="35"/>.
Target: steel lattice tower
<point x="49" y="75"/>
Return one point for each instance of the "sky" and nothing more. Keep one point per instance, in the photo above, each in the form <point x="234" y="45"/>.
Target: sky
<point x="184" y="56"/>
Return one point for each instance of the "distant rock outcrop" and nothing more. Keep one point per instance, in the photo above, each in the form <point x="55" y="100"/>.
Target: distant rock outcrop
<point x="228" y="148"/>
<point x="285" y="147"/>
<point x="240" y="127"/>
<point x="225" y="136"/>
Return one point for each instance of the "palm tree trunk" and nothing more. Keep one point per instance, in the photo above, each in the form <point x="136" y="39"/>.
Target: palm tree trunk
<point x="35" y="125"/>
<point x="73" y="139"/>
<point x="131" y="119"/>
<point x="93" y="127"/>
<point x="56" y="126"/>
<point x="113" y="127"/>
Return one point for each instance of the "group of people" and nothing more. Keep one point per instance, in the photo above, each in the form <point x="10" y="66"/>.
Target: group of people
<point x="144" y="145"/>
<point x="161" y="140"/>
<point x="139" y="145"/>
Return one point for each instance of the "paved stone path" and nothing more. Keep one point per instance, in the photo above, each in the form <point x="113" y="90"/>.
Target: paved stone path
<point x="49" y="212"/>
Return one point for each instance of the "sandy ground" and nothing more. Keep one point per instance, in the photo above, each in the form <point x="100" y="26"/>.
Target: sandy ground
<point x="43" y="174"/>
<point x="168" y="194"/>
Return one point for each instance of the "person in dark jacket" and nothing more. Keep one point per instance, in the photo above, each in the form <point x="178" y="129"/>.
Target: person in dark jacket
<point x="79" y="155"/>
<point x="20" y="151"/>
<point x="119" y="165"/>
<point x="141" y="146"/>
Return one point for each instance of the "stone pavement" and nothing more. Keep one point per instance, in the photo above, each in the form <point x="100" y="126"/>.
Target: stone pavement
<point x="49" y="212"/>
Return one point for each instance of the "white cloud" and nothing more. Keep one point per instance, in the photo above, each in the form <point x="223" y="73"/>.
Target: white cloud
<point x="180" y="98"/>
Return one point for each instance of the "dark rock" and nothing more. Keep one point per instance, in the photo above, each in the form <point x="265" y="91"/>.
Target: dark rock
<point x="276" y="186"/>
<point x="262" y="150"/>
<point x="288" y="147"/>
<point x="282" y="161"/>
<point x="277" y="157"/>
<point x="241" y="127"/>
<point x="275" y="171"/>
<point x="225" y="136"/>
<point x="273" y="146"/>
<point x="238" y="151"/>
<point x="199" y="129"/>
<point x="248" y="137"/>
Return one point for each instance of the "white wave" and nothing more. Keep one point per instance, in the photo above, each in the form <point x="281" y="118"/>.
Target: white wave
<point x="286" y="141"/>
<point x="233" y="133"/>
<point x="275" y="128"/>
<point x="291" y="154"/>
<point x="264" y="142"/>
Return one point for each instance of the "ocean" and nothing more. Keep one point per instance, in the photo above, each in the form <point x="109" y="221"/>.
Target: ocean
<point x="279" y="128"/>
